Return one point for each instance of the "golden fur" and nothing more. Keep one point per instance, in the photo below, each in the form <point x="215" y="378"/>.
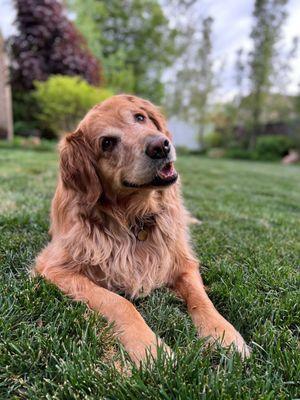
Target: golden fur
<point x="94" y="254"/>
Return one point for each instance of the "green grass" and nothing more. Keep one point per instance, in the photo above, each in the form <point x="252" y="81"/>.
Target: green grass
<point x="53" y="348"/>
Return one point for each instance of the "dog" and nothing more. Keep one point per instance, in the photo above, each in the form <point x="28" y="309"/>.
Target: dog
<point x="119" y="228"/>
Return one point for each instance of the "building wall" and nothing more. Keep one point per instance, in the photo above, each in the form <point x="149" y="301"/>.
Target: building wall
<point x="184" y="134"/>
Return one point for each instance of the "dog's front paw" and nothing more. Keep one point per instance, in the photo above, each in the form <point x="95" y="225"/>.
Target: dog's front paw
<point x="227" y="336"/>
<point x="231" y="337"/>
<point x="142" y="353"/>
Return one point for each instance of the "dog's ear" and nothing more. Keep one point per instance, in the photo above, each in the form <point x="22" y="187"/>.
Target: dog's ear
<point x="78" y="167"/>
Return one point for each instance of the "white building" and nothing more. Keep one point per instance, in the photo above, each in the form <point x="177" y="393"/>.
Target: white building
<point x="184" y="134"/>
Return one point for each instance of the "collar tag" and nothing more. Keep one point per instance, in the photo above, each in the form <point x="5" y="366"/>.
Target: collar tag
<point x="142" y="227"/>
<point x="142" y="235"/>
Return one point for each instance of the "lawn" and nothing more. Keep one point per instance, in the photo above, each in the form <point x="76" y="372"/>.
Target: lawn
<point x="249" y="247"/>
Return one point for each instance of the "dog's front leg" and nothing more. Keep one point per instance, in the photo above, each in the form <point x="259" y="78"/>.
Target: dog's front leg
<point x="131" y="329"/>
<point x="209" y="323"/>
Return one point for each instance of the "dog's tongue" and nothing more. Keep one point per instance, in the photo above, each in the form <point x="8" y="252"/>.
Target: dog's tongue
<point x="167" y="171"/>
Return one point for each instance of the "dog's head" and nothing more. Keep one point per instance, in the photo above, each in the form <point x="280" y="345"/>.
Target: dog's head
<point x="121" y="145"/>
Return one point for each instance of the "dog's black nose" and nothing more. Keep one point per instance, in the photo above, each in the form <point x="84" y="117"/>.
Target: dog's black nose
<point x="159" y="147"/>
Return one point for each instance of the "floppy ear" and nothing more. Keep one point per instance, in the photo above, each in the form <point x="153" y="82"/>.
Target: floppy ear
<point x="78" y="167"/>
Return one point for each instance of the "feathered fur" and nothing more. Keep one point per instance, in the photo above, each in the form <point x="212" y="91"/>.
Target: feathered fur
<point x="94" y="251"/>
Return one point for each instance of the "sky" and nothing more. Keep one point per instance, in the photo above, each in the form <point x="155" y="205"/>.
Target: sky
<point x="232" y="25"/>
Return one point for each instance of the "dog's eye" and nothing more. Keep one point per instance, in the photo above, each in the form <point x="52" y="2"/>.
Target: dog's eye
<point x="108" y="143"/>
<point x="139" y="117"/>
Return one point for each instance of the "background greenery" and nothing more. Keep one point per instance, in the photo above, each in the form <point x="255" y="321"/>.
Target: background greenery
<point x="64" y="100"/>
<point x="249" y="248"/>
<point x="162" y="50"/>
<point x="134" y="42"/>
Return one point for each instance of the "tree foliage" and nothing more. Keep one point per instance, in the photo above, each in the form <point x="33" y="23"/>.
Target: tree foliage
<point x="269" y="16"/>
<point x="263" y="75"/>
<point x="47" y="43"/>
<point x="193" y="83"/>
<point x="63" y="101"/>
<point x="134" y="41"/>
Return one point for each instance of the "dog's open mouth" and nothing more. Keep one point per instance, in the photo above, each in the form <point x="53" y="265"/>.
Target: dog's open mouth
<point x="167" y="171"/>
<point x="165" y="176"/>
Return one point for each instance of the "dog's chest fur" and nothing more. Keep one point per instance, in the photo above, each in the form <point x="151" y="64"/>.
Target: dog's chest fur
<point x="136" y="267"/>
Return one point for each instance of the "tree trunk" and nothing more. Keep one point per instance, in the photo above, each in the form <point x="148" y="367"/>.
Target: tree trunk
<point x="6" y="120"/>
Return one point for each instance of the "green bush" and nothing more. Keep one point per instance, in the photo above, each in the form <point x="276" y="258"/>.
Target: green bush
<point x="272" y="147"/>
<point x="63" y="101"/>
<point x="213" y="139"/>
<point x="23" y="126"/>
<point x="24" y="112"/>
<point x="24" y="107"/>
<point x="182" y="150"/>
<point x="239" y="153"/>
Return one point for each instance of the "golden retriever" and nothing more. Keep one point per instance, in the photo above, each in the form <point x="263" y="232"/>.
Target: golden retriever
<point x="118" y="225"/>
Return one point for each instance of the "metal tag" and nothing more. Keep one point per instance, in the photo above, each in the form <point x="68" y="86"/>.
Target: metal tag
<point x="142" y="235"/>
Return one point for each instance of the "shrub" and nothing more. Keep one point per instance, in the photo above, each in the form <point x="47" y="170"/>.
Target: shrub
<point x="24" y="128"/>
<point x="182" y="150"/>
<point x="239" y="153"/>
<point x="272" y="147"/>
<point x="24" y="106"/>
<point x="63" y="101"/>
<point x="213" y="139"/>
<point x="24" y="110"/>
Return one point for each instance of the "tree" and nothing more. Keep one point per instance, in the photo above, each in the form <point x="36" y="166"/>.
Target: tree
<point x="47" y="43"/>
<point x="239" y="76"/>
<point x="134" y="41"/>
<point x="269" y="16"/>
<point x="6" y="120"/>
<point x="193" y="81"/>
<point x="297" y="101"/>
<point x="234" y="114"/>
